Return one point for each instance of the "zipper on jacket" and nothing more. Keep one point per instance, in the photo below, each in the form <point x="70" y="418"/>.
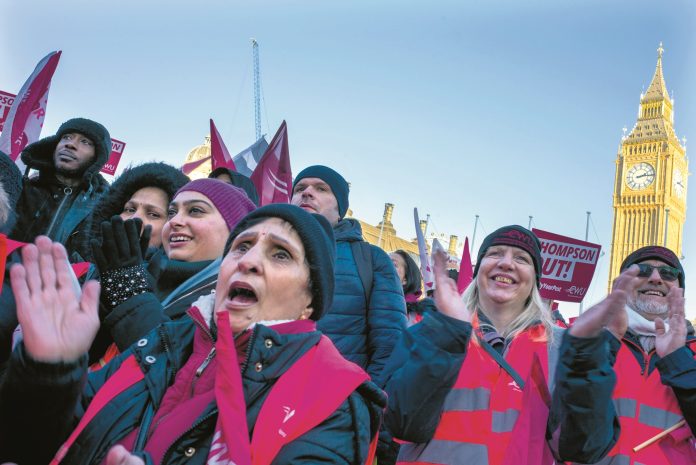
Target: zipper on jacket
<point x="164" y="338"/>
<point x="201" y="420"/>
<point x="247" y="354"/>
<point x="189" y="293"/>
<point x="201" y="368"/>
<point x="646" y="356"/>
<point x="67" y="191"/>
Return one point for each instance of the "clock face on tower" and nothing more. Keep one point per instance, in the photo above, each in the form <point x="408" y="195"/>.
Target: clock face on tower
<point x="678" y="181"/>
<point x="640" y="176"/>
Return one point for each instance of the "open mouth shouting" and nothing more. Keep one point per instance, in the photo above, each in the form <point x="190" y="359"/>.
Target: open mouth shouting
<point x="241" y="294"/>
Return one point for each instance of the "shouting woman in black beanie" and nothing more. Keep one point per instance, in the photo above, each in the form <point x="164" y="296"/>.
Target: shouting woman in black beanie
<point x="468" y="381"/>
<point x="250" y="376"/>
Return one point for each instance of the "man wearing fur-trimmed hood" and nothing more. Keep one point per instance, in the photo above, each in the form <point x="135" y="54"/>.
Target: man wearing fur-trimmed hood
<point x="56" y="202"/>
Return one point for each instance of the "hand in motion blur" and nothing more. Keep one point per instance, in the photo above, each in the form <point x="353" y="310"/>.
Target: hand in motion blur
<point x="58" y="321"/>
<point x="118" y="455"/>
<point x="447" y="298"/>
<point x="610" y="313"/>
<point x="672" y="336"/>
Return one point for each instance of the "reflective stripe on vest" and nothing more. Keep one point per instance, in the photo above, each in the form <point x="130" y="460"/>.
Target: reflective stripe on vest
<point x="439" y="451"/>
<point x="467" y="400"/>
<point x="482" y="408"/>
<point x="645" y="408"/>
<point x="625" y="407"/>
<point x="657" y="418"/>
<point x="503" y="422"/>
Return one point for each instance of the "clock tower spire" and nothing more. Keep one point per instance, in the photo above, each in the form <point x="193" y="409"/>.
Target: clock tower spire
<point x="650" y="182"/>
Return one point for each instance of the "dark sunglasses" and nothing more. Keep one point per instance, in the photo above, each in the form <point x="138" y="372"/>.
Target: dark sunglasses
<point x="666" y="272"/>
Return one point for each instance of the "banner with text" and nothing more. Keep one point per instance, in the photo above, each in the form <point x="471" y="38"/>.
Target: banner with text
<point x="567" y="266"/>
<point x="117" y="148"/>
<point x="6" y="101"/>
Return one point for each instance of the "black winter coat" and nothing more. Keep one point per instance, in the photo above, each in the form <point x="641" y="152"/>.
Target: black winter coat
<point x="45" y="402"/>
<point x="48" y="207"/>
<point x="176" y="286"/>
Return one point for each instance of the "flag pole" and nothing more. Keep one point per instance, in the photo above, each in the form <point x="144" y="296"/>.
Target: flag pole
<point x="587" y="236"/>
<point x="473" y="238"/>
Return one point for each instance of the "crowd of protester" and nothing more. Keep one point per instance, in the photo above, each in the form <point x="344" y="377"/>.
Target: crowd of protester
<point x="211" y="330"/>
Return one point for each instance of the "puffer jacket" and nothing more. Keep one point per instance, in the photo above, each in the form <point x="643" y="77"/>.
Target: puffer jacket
<point x="363" y="334"/>
<point x="45" y="402"/>
<point x="48" y="207"/>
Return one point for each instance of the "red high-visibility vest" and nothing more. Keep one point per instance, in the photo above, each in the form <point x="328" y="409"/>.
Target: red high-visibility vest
<point x="645" y="407"/>
<point x="481" y="410"/>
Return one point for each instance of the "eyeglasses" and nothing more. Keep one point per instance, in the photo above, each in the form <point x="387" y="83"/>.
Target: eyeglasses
<point x="666" y="272"/>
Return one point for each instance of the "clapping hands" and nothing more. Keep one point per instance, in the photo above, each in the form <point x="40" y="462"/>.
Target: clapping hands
<point x="610" y="313"/>
<point x="447" y="298"/>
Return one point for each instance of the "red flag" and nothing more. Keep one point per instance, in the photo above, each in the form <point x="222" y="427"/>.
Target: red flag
<point x="273" y="176"/>
<point x="466" y="270"/>
<point x="221" y="156"/>
<point x="117" y="148"/>
<point x="25" y="120"/>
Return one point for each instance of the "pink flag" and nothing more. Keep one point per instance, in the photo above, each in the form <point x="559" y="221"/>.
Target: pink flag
<point x="221" y="156"/>
<point x="25" y="119"/>
<point x="188" y="167"/>
<point x="466" y="270"/>
<point x="273" y="176"/>
<point x="426" y="270"/>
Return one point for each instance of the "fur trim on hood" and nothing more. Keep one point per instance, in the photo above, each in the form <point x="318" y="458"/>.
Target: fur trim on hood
<point x="153" y="174"/>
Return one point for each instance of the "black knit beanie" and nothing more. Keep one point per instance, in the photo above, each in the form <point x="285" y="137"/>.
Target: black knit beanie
<point x="39" y="155"/>
<point x="238" y="180"/>
<point x="319" y="244"/>
<point x="655" y="252"/>
<point x="338" y="185"/>
<point x="515" y="236"/>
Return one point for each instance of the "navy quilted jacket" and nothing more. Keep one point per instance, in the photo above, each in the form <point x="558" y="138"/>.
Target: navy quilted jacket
<point x="364" y="335"/>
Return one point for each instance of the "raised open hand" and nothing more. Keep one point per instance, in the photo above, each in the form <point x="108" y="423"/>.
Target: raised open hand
<point x="667" y="340"/>
<point x="610" y="313"/>
<point x="58" y="321"/>
<point x="447" y="298"/>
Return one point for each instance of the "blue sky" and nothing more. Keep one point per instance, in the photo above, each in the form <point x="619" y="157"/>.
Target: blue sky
<point x="502" y="109"/>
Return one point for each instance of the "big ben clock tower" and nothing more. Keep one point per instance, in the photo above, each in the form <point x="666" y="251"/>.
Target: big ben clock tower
<point x="651" y="177"/>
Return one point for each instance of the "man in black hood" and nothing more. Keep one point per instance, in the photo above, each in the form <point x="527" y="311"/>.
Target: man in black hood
<point x="56" y="202"/>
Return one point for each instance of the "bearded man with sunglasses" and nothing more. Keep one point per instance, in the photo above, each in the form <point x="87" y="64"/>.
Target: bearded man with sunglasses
<point x="655" y="366"/>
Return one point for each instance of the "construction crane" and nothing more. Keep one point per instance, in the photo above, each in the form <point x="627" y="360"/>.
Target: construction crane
<point x="257" y="88"/>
